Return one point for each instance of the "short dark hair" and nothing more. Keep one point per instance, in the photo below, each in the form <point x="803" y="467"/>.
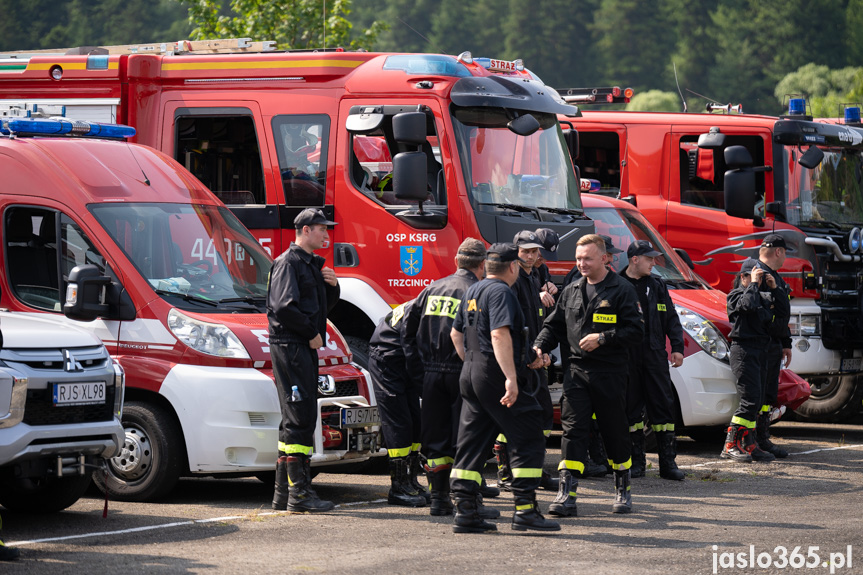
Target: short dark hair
<point x="496" y="267"/>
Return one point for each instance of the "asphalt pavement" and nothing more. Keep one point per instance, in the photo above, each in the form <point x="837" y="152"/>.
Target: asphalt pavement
<point x="800" y="514"/>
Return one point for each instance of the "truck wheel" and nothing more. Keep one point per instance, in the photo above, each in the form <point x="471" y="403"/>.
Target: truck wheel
<point x="151" y="460"/>
<point x="45" y="495"/>
<point x="832" y="399"/>
<point x="713" y="434"/>
<point x="360" y="350"/>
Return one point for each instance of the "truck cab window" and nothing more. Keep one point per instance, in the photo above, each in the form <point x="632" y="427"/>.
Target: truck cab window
<point x="372" y="166"/>
<point x="301" y="143"/>
<point x="222" y="152"/>
<point x="702" y="171"/>
<point x="599" y="159"/>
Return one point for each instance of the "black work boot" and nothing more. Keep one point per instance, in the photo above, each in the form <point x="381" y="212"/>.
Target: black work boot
<point x="548" y="482"/>
<point x="438" y="477"/>
<point x="415" y="465"/>
<point x="734" y="448"/>
<point x="485" y="512"/>
<point x="623" y="498"/>
<point x="527" y="515"/>
<point x="639" y="459"/>
<point x="665" y="444"/>
<point x="280" y="497"/>
<point x="762" y="436"/>
<point x="402" y="492"/>
<point x="564" y="505"/>
<point x="467" y="519"/>
<point x="504" y="473"/>
<point x="301" y="498"/>
<point x="8" y="553"/>
<point x="487" y="490"/>
<point x="750" y="444"/>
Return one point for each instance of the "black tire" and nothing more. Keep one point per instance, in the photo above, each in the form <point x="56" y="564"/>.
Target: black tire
<point x="359" y="349"/>
<point x="45" y="495"/>
<point x="832" y="401"/>
<point x="714" y="434"/>
<point x="152" y="458"/>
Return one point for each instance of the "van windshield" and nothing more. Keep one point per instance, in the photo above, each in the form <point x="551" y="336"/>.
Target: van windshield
<point x="194" y="255"/>
<point x="505" y="169"/>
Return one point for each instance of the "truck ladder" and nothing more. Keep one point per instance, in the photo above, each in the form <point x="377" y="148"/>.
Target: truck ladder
<point x="222" y="46"/>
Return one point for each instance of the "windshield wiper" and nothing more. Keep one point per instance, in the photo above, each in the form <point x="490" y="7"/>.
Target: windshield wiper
<point x="565" y="211"/>
<point x="510" y="206"/>
<point x="821" y="224"/>
<point x="187" y="297"/>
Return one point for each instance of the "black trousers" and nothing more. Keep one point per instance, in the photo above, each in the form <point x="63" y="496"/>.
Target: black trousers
<point x="441" y="409"/>
<point x="398" y="400"/>
<point x="543" y="396"/>
<point x="649" y="387"/>
<point x="482" y="415"/>
<point x="296" y="364"/>
<point x="774" y="365"/>
<point x="749" y="364"/>
<point x="602" y="393"/>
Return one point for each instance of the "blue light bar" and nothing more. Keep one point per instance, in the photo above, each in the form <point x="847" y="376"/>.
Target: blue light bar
<point x="852" y="115"/>
<point x="60" y="127"/>
<point x="431" y="64"/>
<point x="796" y="107"/>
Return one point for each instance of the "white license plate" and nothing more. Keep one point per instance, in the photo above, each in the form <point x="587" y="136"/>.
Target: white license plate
<point x="851" y="364"/>
<point x="360" y="416"/>
<point x="80" y="393"/>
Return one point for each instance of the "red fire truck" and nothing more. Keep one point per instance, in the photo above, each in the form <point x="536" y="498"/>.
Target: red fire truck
<point x="716" y="184"/>
<point x="410" y="153"/>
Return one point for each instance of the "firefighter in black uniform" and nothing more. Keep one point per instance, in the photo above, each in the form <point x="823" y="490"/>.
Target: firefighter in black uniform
<point x="300" y="293"/>
<point x="526" y="289"/>
<point x="598" y="317"/>
<point x="489" y="333"/>
<point x="428" y="324"/>
<point x="751" y="312"/>
<point x="398" y="385"/>
<point x="649" y="379"/>
<point x="771" y="257"/>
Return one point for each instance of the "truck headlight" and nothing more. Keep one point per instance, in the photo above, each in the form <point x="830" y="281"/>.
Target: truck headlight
<point x="807" y="325"/>
<point x="119" y="388"/>
<point x="704" y="333"/>
<point x="210" y="338"/>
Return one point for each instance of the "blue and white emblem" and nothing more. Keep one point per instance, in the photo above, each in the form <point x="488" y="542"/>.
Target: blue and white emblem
<point x="411" y="258"/>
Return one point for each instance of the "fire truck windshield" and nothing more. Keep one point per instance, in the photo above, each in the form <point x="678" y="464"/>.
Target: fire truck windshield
<point x="503" y="168"/>
<point x="194" y="255"/>
<point x="626" y="226"/>
<point x="830" y="195"/>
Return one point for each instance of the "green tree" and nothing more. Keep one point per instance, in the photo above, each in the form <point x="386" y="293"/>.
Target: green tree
<point x="409" y="23"/>
<point x="292" y="24"/>
<point x="694" y="53"/>
<point x="824" y="89"/>
<point x="655" y="101"/>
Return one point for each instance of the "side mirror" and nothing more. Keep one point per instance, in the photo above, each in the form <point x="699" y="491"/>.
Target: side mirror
<point x="410" y="128"/>
<point x="571" y="138"/>
<point x="739" y="185"/>
<point x="409" y="177"/>
<point x="524" y="125"/>
<point x="86" y="294"/>
<point x="811" y="159"/>
<point x="712" y="140"/>
<point x="685" y="257"/>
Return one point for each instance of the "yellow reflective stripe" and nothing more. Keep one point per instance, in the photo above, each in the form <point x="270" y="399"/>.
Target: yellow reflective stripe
<point x="295" y="448"/>
<point x="540" y="312"/>
<point x="416" y="446"/>
<point x="467" y="475"/>
<point x="526" y="472"/>
<point x="571" y="465"/>
<point x="604" y="318"/>
<point x="399" y="452"/>
<point x="593" y="416"/>
<point x="660" y="306"/>
<point x="744" y="422"/>
<point x="524" y="507"/>
<point x="441" y="305"/>
<point x="432" y="463"/>
<point x="765" y="408"/>
<point x="546" y="432"/>
<point x="501" y="438"/>
<point x="620" y="466"/>
<point x="638" y="426"/>
<point x="663" y="427"/>
<point x="398" y="314"/>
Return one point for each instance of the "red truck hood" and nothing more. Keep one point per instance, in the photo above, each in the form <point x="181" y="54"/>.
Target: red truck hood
<point x="709" y="303"/>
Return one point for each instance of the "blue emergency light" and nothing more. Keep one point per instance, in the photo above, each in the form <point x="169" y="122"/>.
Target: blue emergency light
<point x="796" y="107"/>
<point x="60" y="127"/>
<point x="852" y="115"/>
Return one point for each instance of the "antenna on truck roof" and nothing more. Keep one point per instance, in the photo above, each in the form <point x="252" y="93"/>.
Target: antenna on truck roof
<point x="678" y="87"/>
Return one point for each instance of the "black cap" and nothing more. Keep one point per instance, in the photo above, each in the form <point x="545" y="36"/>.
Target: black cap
<point x="641" y="248"/>
<point x="748" y="265"/>
<point x="550" y="242"/>
<point x="774" y="241"/>
<point x="472" y="247"/>
<point x="503" y="252"/>
<point x="526" y="239"/>
<point x="310" y="217"/>
<point x="609" y="247"/>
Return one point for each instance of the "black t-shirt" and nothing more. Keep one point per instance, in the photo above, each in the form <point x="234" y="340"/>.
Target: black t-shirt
<point x="493" y="305"/>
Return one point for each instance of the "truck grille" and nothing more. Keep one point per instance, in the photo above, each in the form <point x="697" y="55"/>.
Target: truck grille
<point x="40" y="409"/>
<point x="344" y="388"/>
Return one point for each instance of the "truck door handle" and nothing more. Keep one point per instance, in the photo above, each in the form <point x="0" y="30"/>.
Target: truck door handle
<point x="345" y="256"/>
